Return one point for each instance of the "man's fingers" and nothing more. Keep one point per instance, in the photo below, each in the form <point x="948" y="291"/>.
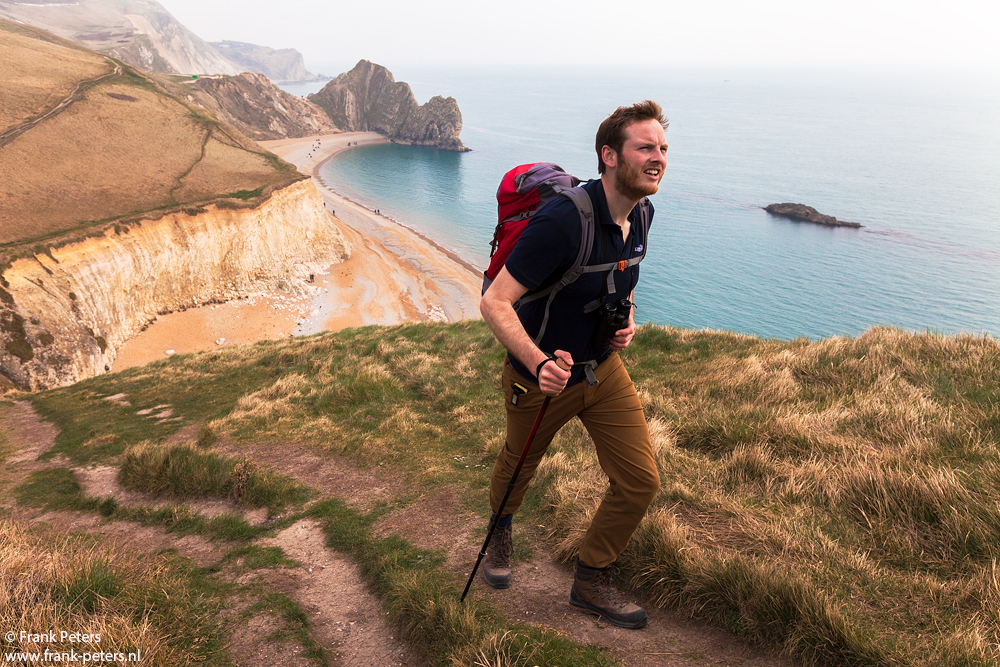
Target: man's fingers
<point x="553" y="381"/>
<point x="552" y="388"/>
<point x="627" y="331"/>
<point x="554" y="373"/>
<point x="564" y="360"/>
<point x="552" y="378"/>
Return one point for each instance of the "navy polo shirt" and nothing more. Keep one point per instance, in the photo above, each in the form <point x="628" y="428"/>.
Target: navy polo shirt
<point x="546" y="251"/>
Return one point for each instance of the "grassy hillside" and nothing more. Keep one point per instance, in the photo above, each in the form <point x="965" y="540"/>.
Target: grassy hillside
<point x="37" y="73"/>
<point x="86" y="141"/>
<point x="147" y="604"/>
<point x="835" y="501"/>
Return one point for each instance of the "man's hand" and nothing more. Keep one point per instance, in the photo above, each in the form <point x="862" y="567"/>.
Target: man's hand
<point x="497" y="307"/>
<point x="623" y="337"/>
<point x="554" y="375"/>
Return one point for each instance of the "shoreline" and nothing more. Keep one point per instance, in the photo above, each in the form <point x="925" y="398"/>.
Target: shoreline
<point x="326" y="187"/>
<point x="394" y="274"/>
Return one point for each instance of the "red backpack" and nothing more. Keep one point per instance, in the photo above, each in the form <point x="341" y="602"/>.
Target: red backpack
<point x="525" y="189"/>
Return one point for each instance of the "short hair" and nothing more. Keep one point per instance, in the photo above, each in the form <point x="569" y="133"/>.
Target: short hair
<point x="612" y="130"/>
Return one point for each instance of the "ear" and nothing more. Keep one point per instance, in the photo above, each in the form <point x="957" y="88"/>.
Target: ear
<point x="609" y="156"/>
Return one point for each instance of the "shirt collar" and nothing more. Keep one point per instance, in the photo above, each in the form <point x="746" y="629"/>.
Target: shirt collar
<point x="603" y="212"/>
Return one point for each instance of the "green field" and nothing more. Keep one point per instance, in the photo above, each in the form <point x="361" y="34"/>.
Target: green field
<point x="835" y="501"/>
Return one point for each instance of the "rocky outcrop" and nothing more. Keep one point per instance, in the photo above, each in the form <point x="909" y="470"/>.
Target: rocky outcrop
<point x="140" y="32"/>
<point x="65" y="311"/>
<point x="802" y="213"/>
<point x="368" y="98"/>
<point x="259" y="109"/>
<point x="278" y="65"/>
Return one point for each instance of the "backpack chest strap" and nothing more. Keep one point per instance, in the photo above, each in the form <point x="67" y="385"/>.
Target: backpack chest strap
<point x="610" y="268"/>
<point x="584" y="206"/>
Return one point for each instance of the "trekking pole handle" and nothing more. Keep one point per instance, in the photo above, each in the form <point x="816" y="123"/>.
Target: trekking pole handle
<point x="558" y="361"/>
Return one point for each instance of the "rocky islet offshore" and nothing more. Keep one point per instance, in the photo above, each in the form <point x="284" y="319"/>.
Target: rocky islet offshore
<point x="803" y="213"/>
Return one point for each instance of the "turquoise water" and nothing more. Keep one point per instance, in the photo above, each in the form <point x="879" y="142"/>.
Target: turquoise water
<point x="917" y="161"/>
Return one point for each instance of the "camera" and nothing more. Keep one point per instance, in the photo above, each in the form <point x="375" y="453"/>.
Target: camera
<point x="613" y="316"/>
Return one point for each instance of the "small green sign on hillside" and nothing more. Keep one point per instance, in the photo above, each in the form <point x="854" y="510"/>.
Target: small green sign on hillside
<point x="194" y="76"/>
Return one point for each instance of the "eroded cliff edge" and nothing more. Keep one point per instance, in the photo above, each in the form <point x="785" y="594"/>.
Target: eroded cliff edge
<point x="66" y="310"/>
<point x="369" y="99"/>
<point x="255" y="106"/>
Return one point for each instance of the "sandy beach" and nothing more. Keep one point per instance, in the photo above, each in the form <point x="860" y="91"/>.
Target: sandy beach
<point x="393" y="275"/>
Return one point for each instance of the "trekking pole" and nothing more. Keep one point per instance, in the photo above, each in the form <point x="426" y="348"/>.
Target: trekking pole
<point x="510" y="487"/>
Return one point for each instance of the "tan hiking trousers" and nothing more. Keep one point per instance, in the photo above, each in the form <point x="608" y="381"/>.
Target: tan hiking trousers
<point x="613" y="417"/>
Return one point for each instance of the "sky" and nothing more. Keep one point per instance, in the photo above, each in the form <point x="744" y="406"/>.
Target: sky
<point x="961" y="34"/>
<point x="799" y="34"/>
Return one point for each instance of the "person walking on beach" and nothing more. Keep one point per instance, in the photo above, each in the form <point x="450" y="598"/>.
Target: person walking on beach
<point x="632" y="155"/>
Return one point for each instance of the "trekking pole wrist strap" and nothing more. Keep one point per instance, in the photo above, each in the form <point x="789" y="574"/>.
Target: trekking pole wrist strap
<point x="559" y="362"/>
<point x="538" y="368"/>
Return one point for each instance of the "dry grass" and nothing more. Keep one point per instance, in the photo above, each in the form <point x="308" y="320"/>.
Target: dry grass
<point x="229" y="164"/>
<point x="74" y="584"/>
<point x="498" y="649"/>
<point x="106" y="157"/>
<point x="811" y="488"/>
<point x="834" y="500"/>
<point x="36" y="74"/>
<point x="184" y="471"/>
<point x="123" y="148"/>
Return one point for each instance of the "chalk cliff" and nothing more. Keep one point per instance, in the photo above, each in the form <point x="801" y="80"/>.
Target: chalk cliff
<point x="368" y="98"/>
<point x="256" y="107"/>
<point x="278" y="65"/>
<point x="139" y="32"/>
<point x="65" y="311"/>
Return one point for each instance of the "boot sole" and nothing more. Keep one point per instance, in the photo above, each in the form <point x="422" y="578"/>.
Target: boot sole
<point x="497" y="584"/>
<point x="580" y="603"/>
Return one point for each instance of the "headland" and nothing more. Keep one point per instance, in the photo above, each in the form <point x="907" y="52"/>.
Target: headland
<point x="393" y="274"/>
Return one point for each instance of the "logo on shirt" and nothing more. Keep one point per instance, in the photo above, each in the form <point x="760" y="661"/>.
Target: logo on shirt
<point x="638" y="248"/>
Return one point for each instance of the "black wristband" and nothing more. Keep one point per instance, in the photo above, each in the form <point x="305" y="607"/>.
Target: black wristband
<point x="538" y="368"/>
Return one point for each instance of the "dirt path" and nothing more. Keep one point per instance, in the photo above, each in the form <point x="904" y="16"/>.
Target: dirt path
<point x="540" y="592"/>
<point x="344" y="617"/>
<point x="12" y="133"/>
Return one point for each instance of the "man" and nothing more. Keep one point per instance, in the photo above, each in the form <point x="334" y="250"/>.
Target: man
<point x="632" y="154"/>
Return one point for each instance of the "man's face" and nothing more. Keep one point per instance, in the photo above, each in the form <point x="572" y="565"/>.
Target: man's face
<point x="640" y="165"/>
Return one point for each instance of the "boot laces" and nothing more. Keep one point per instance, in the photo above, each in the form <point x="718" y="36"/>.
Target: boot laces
<point x="501" y="547"/>
<point x="604" y="588"/>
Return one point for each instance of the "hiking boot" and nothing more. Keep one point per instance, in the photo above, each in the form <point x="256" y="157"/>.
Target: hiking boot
<point x="496" y="567"/>
<point x="592" y="590"/>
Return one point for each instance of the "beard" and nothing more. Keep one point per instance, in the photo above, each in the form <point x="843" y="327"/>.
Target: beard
<point x="629" y="182"/>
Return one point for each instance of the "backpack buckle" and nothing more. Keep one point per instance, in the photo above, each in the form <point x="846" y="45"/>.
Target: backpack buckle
<point x="621" y="265"/>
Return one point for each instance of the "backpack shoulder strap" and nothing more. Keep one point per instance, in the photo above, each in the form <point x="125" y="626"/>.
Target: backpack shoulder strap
<point x="585" y="209"/>
<point x="609" y="268"/>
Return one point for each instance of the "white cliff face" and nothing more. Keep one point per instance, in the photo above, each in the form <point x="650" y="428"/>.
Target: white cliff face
<point x="140" y="32"/>
<point x="77" y="304"/>
<point x="182" y="49"/>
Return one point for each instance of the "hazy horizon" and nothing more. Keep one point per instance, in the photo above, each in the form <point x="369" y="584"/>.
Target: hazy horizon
<point x="777" y="34"/>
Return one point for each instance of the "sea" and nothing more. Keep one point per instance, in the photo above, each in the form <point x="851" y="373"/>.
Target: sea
<point x="913" y="157"/>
